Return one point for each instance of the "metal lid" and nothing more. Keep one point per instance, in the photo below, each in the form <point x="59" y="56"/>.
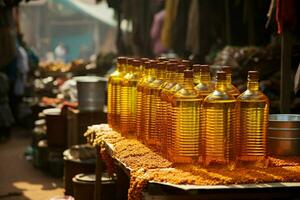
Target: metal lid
<point x="86" y="177"/>
<point x="89" y="79"/>
<point x="284" y="117"/>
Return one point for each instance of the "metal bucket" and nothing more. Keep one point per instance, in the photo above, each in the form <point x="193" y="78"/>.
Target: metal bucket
<point x="91" y="92"/>
<point x="284" y="135"/>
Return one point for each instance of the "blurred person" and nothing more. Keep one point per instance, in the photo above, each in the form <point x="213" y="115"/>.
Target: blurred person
<point x="156" y="31"/>
<point x="6" y="117"/>
<point x="60" y="52"/>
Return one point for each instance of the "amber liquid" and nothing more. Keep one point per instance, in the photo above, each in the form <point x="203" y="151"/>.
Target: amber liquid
<point x="185" y="142"/>
<point x="128" y="104"/>
<point x="142" y="104"/>
<point x="151" y="106"/>
<point x="253" y="118"/>
<point x="220" y="127"/>
<point x="230" y="88"/>
<point x="113" y="99"/>
<point x="220" y="115"/>
<point x="162" y="111"/>
<point x="166" y="138"/>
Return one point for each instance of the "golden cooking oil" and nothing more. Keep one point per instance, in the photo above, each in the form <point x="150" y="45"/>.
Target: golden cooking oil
<point x="146" y="78"/>
<point x="204" y="86"/>
<point x="253" y="121"/>
<point x="185" y="146"/>
<point x="166" y="138"/>
<point x="114" y="94"/>
<point x="230" y="88"/>
<point x="151" y="76"/>
<point x="129" y="98"/>
<point x="161" y="115"/>
<point x="153" y="99"/>
<point x="220" y="124"/>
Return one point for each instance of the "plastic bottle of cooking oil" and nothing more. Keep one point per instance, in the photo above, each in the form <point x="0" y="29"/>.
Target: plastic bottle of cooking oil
<point x="151" y="76"/>
<point x="152" y="95"/>
<point x="161" y="118"/>
<point x="230" y="87"/>
<point x="220" y="112"/>
<point x="253" y="121"/>
<point x="145" y="80"/>
<point x="166" y="139"/>
<point x="186" y="127"/>
<point x="129" y="98"/>
<point x="204" y="86"/>
<point x="114" y="94"/>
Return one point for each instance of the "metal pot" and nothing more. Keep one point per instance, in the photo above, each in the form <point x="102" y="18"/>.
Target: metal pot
<point x="284" y="135"/>
<point x="91" y="92"/>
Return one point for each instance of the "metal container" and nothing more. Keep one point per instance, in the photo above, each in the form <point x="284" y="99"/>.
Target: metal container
<point x="91" y="92"/>
<point x="74" y="166"/>
<point x="56" y="128"/>
<point x="284" y="135"/>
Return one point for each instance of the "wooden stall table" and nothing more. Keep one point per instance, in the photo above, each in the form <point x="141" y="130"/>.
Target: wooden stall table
<point x="151" y="177"/>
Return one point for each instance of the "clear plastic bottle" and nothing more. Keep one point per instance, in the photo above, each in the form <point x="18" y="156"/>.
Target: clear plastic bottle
<point x="204" y="86"/>
<point x="186" y="127"/>
<point x="129" y="99"/>
<point x="220" y="125"/>
<point x="145" y="79"/>
<point x="161" y="114"/>
<point x="114" y="94"/>
<point x="253" y="121"/>
<point x="230" y="88"/>
<point x="146" y="100"/>
<point x="166" y="139"/>
<point x="152" y="95"/>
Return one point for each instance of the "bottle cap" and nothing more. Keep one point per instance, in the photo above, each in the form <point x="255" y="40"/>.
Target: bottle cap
<point x="188" y="73"/>
<point x="161" y="66"/>
<point x="122" y="60"/>
<point x="181" y="68"/>
<point x="161" y="59"/>
<point x="130" y="61"/>
<point x="253" y="75"/>
<point x="196" y="68"/>
<point x="227" y="69"/>
<point x="221" y="76"/>
<point x="187" y="63"/>
<point x="204" y="68"/>
<point x="171" y="66"/>
<point x="136" y="63"/>
<point x="143" y="60"/>
<point x="147" y="64"/>
<point x="153" y="63"/>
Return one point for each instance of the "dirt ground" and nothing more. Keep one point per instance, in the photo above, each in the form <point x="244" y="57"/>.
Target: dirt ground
<point x="19" y="180"/>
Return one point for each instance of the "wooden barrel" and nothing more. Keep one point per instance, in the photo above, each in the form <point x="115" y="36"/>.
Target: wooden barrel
<point x="284" y="135"/>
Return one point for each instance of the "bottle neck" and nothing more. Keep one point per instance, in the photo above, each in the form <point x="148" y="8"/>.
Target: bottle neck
<point x="188" y="84"/>
<point x="253" y="85"/>
<point x="228" y="78"/>
<point x="172" y="76"/>
<point x="159" y="74"/>
<point x="221" y="85"/>
<point x="205" y="78"/>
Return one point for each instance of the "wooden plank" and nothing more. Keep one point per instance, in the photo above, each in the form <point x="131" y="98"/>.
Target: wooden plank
<point x="286" y="79"/>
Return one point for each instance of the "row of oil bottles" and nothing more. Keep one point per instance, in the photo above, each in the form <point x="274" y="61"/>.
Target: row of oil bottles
<point x="176" y="109"/>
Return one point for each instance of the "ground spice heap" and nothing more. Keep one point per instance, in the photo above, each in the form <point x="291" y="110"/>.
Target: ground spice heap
<point x="146" y="165"/>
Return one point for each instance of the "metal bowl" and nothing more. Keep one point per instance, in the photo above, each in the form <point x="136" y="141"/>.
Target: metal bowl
<point x="284" y="135"/>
